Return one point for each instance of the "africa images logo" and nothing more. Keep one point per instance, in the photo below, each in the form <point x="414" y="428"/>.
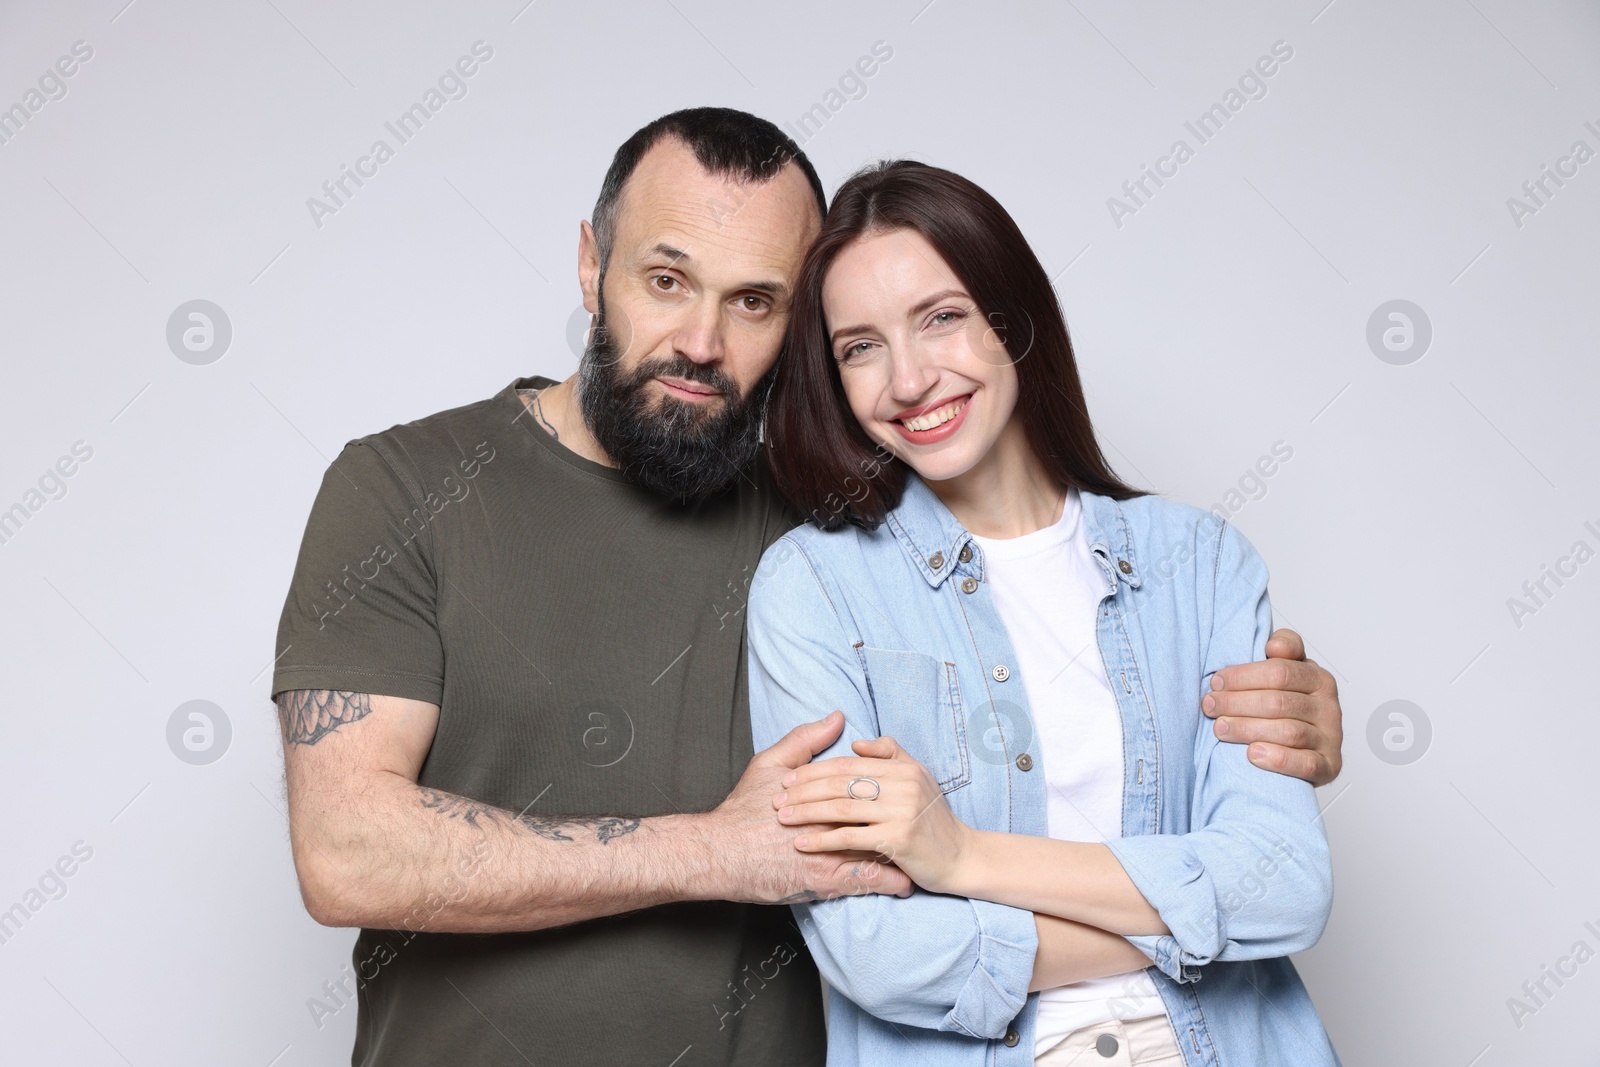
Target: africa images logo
<point x="452" y="85"/>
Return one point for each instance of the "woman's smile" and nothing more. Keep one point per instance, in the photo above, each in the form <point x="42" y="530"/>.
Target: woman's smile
<point x="919" y="364"/>
<point x="931" y="423"/>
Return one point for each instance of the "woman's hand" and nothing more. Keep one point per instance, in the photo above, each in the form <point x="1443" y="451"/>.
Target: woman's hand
<point x="909" y="822"/>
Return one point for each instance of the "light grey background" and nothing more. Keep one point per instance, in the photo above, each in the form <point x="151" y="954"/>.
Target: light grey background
<point x="1228" y="313"/>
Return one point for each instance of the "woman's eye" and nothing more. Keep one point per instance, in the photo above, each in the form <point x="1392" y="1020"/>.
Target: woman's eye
<point x="944" y="318"/>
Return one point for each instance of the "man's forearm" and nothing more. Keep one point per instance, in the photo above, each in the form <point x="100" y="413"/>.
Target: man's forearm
<point x="373" y="848"/>
<point x="397" y="855"/>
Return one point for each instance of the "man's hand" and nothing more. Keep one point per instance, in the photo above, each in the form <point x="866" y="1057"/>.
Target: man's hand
<point x="755" y="854"/>
<point x="1285" y="707"/>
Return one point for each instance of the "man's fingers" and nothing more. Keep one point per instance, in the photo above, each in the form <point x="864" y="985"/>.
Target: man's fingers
<point x="795" y="748"/>
<point x="1285" y="707"/>
<point x="1289" y="675"/>
<point x="1287" y="733"/>
<point x="1294" y="762"/>
<point x="1260" y="704"/>
<point x="1285" y="644"/>
<point x="888" y="879"/>
<point x="865" y="872"/>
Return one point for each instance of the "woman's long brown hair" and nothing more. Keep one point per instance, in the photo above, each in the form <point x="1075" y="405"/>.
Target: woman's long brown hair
<point x="821" y="458"/>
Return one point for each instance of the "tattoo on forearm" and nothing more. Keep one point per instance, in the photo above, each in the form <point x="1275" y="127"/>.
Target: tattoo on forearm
<point x="309" y="715"/>
<point x="606" y="828"/>
<point x="454" y="807"/>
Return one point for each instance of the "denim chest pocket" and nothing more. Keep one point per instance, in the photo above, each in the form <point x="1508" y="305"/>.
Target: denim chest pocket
<point x="918" y="702"/>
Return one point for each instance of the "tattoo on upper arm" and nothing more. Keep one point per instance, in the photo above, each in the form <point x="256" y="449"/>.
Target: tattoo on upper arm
<point x="606" y="828"/>
<point x="309" y="715"/>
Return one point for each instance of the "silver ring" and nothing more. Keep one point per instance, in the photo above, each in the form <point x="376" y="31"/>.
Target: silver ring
<point x="851" y="789"/>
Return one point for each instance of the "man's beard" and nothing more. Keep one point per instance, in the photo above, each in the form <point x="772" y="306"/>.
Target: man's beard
<point x="677" y="448"/>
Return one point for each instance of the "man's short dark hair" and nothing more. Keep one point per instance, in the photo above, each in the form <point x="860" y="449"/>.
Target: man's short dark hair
<point x="727" y="143"/>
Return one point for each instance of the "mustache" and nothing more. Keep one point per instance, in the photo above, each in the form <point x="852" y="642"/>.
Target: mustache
<point x="678" y="365"/>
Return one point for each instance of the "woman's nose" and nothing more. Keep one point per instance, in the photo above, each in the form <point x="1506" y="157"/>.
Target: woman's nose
<point x="912" y="376"/>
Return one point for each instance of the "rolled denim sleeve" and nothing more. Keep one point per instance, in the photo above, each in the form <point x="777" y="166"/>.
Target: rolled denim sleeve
<point x="928" y="960"/>
<point x="1253" y="878"/>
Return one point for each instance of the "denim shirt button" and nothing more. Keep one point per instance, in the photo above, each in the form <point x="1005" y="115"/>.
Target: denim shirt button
<point x="1122" y="565"/>
<point x="966" y="554"/>
<point x="969" y="585"/>
<point x="1011" y="1038"/>
<point x="936" y="560"/>
<point x="1001" y="672"/>
<point x="1024" y="762"/>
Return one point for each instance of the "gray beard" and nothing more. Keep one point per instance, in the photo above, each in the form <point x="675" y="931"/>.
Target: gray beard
<point x="672" y="447"/>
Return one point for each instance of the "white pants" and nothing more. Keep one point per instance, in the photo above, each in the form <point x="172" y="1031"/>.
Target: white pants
<point x="1133" y="1043"/>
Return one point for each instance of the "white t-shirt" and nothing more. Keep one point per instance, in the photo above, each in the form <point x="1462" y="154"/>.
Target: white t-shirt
<point x="1047" y="587"/>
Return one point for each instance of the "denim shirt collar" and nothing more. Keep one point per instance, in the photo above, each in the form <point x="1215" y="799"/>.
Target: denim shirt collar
<point x="933" y="537"/>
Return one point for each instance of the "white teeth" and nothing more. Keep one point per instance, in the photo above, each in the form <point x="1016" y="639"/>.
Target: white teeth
<point x="936" y="417"/>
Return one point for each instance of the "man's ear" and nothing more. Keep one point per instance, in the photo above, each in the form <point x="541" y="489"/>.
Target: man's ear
<point x="589" y="267"/>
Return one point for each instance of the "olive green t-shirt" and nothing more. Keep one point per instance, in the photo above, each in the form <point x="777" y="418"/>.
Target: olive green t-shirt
<point x="584" y="640"/>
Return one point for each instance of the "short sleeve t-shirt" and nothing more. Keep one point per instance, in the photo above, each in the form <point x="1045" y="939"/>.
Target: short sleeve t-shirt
<point x="1047" y="589"/>
<point x="584" y="641"/>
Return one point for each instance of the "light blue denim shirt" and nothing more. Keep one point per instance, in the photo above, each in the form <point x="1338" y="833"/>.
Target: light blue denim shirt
<point x="897" y="629"/>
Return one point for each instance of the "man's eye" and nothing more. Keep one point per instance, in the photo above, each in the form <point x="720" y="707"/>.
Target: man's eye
<point x="753" y="303"/>
<point x="665" y="282"/>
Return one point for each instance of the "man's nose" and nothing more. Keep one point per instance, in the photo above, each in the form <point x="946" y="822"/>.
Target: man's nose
<point x="699" y="336"/>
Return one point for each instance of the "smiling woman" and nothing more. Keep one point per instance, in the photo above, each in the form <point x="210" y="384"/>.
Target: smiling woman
<point x="1021" y="681"/>
<point x="972" y="290"/>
